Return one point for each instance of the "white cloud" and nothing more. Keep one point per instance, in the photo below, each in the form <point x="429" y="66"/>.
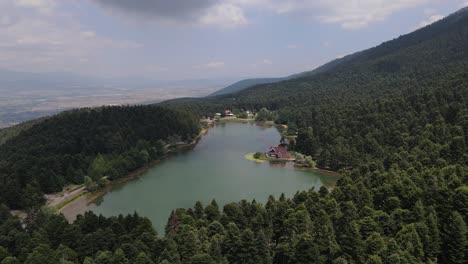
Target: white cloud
<point x="349" y="14"/>
<point x="36" y="36"/>
<point x="430" y="20"/>
<point x="217" y="13"/>
<point x="359" y="14"/>
<point x="211" y="65"/>
<point x="224" y="15"/>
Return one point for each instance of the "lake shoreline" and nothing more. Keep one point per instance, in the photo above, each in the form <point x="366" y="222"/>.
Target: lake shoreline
<point x="90" y="197"/>
<point x="274" y="179"/>
<point x="322" y="171"/>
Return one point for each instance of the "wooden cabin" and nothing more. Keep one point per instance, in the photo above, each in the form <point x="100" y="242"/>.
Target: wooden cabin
<point x="278" y="152"/>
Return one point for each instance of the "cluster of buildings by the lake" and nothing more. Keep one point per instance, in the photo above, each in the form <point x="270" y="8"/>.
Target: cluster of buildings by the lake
<point x="229" y="114"/>
<point x="281" y="152"/>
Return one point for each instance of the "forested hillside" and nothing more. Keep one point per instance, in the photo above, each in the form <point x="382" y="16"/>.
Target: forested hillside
<point x="107" y="141"/>
<point x="394" y="118"/>
<point x="352" y="111"/>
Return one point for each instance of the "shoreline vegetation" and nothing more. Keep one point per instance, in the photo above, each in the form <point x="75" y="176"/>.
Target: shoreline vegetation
<point x="69" y="195"/>
<point x="73" y="196"/>
<point x="250" y="156"/>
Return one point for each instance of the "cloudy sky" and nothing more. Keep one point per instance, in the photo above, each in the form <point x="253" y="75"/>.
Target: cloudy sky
<point x="183" y="39"/>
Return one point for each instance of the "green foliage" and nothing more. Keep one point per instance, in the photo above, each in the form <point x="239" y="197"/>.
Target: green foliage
<point x="43" y="254"/>
<point x="10" y="260"/>
<point x="257" y="155"/>
<point x="265" y="115"/>
<point x="3" y="253"/>
<point x="106" y="141"/>
<point x="394" y="118"/>
<point x="455" y="232"/>
<point x="243" y="115"/>
<point x="310" y="162"/>
<point x="98" y="168"/>
<point x="49" y="238"/>
<point x="90" y="185"/>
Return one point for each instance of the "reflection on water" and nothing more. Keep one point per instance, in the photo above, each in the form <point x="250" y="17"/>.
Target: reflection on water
<point x="214" y="169"/>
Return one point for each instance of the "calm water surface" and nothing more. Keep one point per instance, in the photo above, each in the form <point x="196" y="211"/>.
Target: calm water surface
<point x="214" y="169"/>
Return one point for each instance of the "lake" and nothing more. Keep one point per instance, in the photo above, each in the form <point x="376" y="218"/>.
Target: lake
<point x="214" y="169"/>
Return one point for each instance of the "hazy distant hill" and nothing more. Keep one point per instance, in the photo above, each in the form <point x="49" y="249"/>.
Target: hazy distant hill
<point x="394" y="118"/>
<point x="421" y="76"/>
<point x="247" y="83"/>
<point x="244" y="84"/>
<point x="429" y="53"/>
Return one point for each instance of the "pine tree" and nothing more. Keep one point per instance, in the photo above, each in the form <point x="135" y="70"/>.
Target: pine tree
<point x="232" y="243"/>
<point x="433" y="247"/>
<point x="324" y="236"/>
<point x="119" y="257"/>
<point x="170" y="253"/>
<point x="306" y="251"/>
<point x="198" y="210"/>
<point x="351" y="242"/>
<point x="32" y="196"/>
<point x="142" y="258"/>
<point x="216" y="250"/>
<point x="42" y="254"/>
<point x="409" y="240"/>
<point x="263" y="255"/>
<point x="455" y="243"/>
<point x="375" y="244"/>
<point x="187" y="241"/>
<point x="247" y="250"/>
<point x="212" y="211"/>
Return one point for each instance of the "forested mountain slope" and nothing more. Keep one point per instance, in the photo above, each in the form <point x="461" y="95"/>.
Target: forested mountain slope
<point x="394" y="117"/>
<point x="61" y="149"/>
<point x="402" y="85"/>
<point x="247" y="83"/>
<point x="244" y="84"/>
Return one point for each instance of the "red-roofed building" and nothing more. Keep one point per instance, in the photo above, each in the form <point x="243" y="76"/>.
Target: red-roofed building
<point x="228" y="113"/>
<point x="279" y="153"/>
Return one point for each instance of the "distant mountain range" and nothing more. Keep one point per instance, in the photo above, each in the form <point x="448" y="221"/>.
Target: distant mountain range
<point x="406" y="40"/>
<point x="248" y="83"/>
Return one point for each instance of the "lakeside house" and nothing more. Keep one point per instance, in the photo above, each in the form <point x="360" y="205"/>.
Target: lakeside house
<point x="278" y="152"/>
<point x="228" y="113"/>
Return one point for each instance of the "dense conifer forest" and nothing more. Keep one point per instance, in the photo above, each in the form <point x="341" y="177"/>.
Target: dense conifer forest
<point x="393" y="118"/>
<point x="107" y="141"/>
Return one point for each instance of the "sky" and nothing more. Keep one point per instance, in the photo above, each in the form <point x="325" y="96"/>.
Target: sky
<point x="191" y="39"/>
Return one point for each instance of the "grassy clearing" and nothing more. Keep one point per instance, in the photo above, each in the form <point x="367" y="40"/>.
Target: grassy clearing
<point x="250" y="156"/>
